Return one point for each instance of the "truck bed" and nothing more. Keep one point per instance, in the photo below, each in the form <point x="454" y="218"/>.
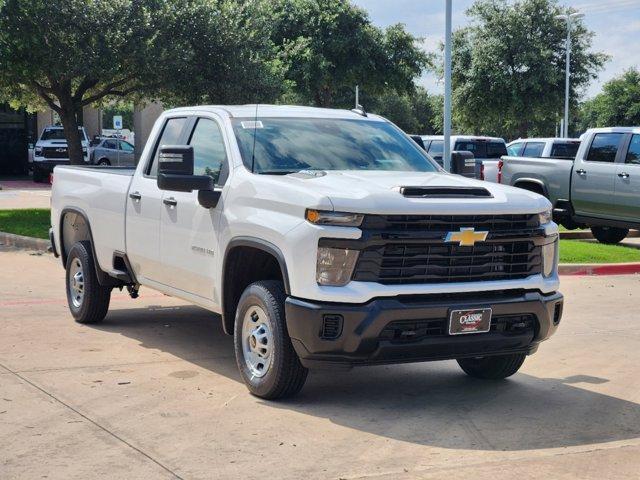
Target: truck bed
<point x="100" y="194"/>
<point x="553" y="174"/>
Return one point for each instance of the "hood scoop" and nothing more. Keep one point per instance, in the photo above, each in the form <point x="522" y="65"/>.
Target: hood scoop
<point x="445" y="192"/>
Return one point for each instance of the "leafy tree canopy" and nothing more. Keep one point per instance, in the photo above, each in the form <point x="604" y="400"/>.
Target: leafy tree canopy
<point x="509" y="67"/>
<point x="67" y="54"/>
<point x="418" y="112"/>
<point x="617" y="105"/>
<point x="329" y="46"/>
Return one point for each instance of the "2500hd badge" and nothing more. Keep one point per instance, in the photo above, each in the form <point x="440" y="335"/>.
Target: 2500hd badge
<point x="338" y="243"/>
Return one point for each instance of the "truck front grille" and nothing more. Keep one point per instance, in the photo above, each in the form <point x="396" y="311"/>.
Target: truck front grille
<point x="55" y="152"/>
<point x="411" y="249"/>
<point x="401" y="263"/>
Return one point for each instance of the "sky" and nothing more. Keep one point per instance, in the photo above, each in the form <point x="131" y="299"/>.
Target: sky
<point x="616" y="24"/>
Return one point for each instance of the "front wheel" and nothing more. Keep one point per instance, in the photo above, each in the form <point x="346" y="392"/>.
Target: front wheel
<point x="493" y="368"/>
<point x="103" y="162"/>
<point x="88" y="300"/>
<point x="609" y="235"/>
<point x="265" y="356"/>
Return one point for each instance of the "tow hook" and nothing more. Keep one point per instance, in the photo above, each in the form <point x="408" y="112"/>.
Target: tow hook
<point x="133" y="290"/>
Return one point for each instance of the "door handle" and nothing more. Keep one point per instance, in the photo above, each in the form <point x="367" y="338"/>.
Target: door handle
<point x="135" y="196"/>
<point x="624" y="175"/>
<point x="581" y="172"/>
<point x="172" y="202"/>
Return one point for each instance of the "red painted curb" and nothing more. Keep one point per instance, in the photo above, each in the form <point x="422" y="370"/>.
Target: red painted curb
<point x="599" y="269"/>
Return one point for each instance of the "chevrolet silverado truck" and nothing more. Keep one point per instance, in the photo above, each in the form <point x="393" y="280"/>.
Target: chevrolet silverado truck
<point x="599" y="189"/>
<point x="51" y="150"/>
<point x="323" y="238"/>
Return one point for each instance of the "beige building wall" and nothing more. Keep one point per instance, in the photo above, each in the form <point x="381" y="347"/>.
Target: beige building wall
<point x="144" y="116"/>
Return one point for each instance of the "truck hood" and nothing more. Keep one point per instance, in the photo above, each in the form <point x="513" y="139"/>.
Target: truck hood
<point x="380" y="192"/>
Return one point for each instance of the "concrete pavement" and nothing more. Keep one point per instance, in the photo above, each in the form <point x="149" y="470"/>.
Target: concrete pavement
<point x="24" y="194"/>
<point x="153" y="392"/>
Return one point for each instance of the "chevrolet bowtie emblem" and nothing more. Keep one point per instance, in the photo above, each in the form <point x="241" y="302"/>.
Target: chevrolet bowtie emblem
<point x="466" y="237"/>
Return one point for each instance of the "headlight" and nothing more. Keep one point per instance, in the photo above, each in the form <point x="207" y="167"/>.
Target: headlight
<point x="549" y="253"/>
<point x="545" y="217"/>
<point x="335" y="266"/>
<point x="37" y="151"/>
<point x="342" y="219"/>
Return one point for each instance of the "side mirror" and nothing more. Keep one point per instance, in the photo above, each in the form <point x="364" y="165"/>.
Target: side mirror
<point x="175" y="170"/>
<point x="459" y="161"/>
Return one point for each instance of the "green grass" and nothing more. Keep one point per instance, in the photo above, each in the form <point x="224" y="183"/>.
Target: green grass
<point x="576" y="251"/>
<point x="30" y="222"/>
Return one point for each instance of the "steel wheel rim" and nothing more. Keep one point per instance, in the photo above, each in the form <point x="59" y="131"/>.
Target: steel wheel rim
<point x="257" y="341"/>
<point x="76" y="283"/>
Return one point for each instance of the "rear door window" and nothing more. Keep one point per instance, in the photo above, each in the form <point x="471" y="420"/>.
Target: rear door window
<point x="533" y="149"/>
<point x="633" y="154"/>
<point x="604" y="147"/>
<point x="171" y="133"/>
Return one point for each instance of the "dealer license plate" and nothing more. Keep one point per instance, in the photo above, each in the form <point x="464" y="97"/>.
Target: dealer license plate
<point x="469" y="321"/>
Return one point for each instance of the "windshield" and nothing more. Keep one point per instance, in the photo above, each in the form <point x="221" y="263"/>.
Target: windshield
<point x="58" y="134"/>
<point x="284" y="145"/>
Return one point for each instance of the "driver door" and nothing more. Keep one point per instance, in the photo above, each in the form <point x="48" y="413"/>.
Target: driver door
<point x="188" y="231"/>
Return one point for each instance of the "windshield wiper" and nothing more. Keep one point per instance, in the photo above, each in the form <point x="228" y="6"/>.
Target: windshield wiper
<point x="276" y="172"/>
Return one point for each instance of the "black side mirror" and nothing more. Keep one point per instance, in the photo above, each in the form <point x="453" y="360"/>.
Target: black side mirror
<point x="175" y="170"/>
<point x="459" y="161"/>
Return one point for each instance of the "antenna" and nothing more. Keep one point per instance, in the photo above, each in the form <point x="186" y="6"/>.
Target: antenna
<point x="357" y="99"/>
<point x="359" y="108"/>
<point x="255" y="131"/>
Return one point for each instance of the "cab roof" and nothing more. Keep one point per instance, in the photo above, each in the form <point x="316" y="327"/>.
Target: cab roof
<point x="249" y="111"/>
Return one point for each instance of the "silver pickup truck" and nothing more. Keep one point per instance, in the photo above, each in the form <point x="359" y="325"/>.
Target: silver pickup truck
<point x="599" y="189"/>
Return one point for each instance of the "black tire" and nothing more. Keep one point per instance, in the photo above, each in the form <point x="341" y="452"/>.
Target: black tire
<point x="492" y="368"/>
<point x="37" y="176"/>
<point x="609" y="235"/>
<point x="284" y="375"/>
<point x="104" y="162"/>
<point x="93" y="304"/>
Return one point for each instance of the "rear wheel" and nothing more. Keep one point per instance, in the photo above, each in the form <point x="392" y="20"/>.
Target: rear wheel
<point x="609" y="235"/>
<point x="88" y="300"/>
<point x="493" y="368"/>
<point x="265" y="356"/>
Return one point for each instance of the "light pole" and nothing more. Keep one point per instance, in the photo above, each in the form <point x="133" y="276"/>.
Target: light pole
<point x="447" y="88"/>
<point x="568" y="17"/>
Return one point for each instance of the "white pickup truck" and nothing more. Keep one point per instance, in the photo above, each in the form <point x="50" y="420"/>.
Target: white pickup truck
<point x="51" y="150"/>
<point x="322" y="237"/>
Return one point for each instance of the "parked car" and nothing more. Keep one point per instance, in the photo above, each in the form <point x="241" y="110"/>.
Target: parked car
<point x="358" y="250"/>
<point x="562" y="148"/>
<point x="51" y="150"/>
<point x="486" y="151"/>
<point x="600" y="189"/>
<point x="111" y="151"/>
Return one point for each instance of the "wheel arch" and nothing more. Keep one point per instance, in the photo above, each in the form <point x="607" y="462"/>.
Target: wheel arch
<point x="70" y="234"/>
<point x="272" y="266"/>
<point x="537" y="184"/>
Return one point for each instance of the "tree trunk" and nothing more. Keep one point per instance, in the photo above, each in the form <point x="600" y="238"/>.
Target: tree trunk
<point x="72" y="134"/>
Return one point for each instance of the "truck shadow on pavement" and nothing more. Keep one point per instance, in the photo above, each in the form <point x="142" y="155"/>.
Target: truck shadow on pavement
<point x="426" y="403"/>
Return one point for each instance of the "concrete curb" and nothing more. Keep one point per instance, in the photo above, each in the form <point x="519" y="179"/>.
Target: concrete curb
<point x="22" y="242"/>
<point x="586" y="234"/>
<point x="599" y="269"/>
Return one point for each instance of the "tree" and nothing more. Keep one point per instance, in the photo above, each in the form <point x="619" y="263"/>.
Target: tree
<point x="329" y="46"/>
<point x="414" y="113"/>
<point x="618" y="104"/>
<point x="67" y="54"/>
<point x="508" y="68"/>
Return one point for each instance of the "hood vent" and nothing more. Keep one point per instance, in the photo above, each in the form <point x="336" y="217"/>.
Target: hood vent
<point x="445" y="192"/>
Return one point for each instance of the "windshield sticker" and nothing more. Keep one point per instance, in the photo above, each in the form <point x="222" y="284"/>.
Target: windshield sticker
<point x="252" y="124"/>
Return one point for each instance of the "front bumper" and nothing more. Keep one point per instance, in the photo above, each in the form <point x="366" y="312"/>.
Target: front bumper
<point x="366" y="336"/>
<point x="47" y="166"/>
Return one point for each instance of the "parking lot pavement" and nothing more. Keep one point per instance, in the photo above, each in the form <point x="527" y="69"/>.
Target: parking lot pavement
<point x="24" y="194"/>
<point x="153" y="392"/>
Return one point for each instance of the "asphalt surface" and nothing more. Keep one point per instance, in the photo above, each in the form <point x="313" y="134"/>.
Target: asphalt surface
<point x="153" y="392"/>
